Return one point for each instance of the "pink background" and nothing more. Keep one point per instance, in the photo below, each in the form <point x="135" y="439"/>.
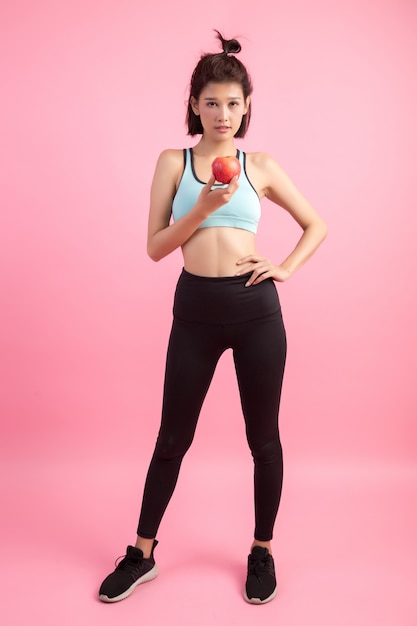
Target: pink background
<point x="92" y="92"/>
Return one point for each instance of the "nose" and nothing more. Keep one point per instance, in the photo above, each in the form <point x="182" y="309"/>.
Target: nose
<point x="223" y="113"/>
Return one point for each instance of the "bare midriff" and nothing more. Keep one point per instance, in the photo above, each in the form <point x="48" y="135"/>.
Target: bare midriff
<point x="214" y="252"/>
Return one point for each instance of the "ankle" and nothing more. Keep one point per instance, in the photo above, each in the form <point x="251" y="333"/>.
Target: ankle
<point x="262" y="544"/>
<point x="145" y="545"/>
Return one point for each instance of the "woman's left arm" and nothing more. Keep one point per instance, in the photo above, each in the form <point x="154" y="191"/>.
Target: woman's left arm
<point x="278" y="187"/>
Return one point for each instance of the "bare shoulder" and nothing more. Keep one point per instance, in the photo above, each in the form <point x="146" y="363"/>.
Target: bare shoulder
<point x="262" y="170"/>
<point x="169" y="167"/>
<point x="261" y="160"/>
<point x="171" y="158"/>
<point x="274" y="182"/>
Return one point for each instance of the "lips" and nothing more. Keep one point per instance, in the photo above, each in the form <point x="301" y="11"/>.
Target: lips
<point x="222" y="129"/>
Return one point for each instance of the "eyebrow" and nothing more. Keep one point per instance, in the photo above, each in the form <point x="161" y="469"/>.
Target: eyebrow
<point x="231" y="98"/>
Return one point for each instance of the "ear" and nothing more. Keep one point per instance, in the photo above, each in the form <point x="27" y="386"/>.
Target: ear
<point x="194" y="105"/>
<point x="247" y="103"/>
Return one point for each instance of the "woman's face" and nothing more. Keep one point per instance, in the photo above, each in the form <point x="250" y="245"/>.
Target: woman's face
<point x="221" y="107"/>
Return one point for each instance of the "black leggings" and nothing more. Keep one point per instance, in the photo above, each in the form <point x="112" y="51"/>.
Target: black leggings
<point x="210" y="316"/>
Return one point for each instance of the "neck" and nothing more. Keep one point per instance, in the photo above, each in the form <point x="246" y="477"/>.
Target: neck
<point x="207" y="147"/>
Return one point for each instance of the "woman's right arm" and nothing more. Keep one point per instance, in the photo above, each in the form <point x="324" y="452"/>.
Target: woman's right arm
<point x="163" y="237"/>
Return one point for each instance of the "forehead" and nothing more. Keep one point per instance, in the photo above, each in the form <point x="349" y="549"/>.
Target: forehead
<point x="222" y="91"/>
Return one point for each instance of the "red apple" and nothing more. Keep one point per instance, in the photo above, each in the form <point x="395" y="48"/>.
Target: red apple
<point x="224" y="168"/>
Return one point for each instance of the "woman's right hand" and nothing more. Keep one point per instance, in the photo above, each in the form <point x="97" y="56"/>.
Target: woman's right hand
<point x="211" y="199"/>
<point x="163" y="236"/>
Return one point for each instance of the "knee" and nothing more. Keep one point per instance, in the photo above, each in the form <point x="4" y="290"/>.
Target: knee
<point x="171" y="448"/>
<point x="266" y="451"/>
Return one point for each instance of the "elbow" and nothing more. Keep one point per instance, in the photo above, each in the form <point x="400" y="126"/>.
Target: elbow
<point x="325" y="230"/>
<point x="152" y="251"/>
<point x="156" y="253"/>
<point x="322" y="229"/>
<point x="152" y="254"/>
<point x="318" y="229"/>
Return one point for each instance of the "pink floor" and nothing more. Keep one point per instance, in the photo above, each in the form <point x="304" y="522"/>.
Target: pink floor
<point x="345" y="546"/>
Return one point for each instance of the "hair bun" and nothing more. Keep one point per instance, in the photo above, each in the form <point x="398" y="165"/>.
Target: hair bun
<point x="230" y="46"/>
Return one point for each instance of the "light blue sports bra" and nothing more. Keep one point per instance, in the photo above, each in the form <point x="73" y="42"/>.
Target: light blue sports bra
<point x="242" y="211"/>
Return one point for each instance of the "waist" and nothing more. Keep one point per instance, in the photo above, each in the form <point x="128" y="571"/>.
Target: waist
<point x="214" y="252"/>
<point x="224" y="299"/>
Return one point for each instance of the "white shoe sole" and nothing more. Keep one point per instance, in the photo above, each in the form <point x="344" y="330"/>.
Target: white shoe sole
<point x="258" y="600"/>
<point x="153" y="573"/>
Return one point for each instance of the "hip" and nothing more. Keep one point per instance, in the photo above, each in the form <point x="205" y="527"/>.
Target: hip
<point x="224" y="299"/>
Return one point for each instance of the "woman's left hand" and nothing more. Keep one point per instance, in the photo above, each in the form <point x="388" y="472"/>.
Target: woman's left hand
<point x="261" y="269"/>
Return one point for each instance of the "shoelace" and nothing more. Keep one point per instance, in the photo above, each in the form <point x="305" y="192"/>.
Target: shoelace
<point x="257" y="567"/>
<point x="127" y="562"/>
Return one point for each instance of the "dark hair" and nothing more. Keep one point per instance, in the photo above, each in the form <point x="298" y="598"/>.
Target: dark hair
<point x="222" y="67"/>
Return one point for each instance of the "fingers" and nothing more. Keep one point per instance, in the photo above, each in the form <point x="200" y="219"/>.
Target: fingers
<point x="233" y="185"/>
<point x="230" y="188"/>
<point x="220" y="190"/>
<point x="209" y="184"/>
<point x="251" y="258"/>
<point x="251" y="262"/>
<point x="262" y="272"/>
<point x="262" y="269"/>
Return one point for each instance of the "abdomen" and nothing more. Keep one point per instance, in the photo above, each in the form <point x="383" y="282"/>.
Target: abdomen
<point x="215" y="251"/>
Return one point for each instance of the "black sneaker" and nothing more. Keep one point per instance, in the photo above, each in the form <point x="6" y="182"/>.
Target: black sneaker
<point x="261" y="585"/>
<point x="133" y="570"/>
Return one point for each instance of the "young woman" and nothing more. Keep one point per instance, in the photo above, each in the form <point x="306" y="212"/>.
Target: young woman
<point x="225" y="298"/>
